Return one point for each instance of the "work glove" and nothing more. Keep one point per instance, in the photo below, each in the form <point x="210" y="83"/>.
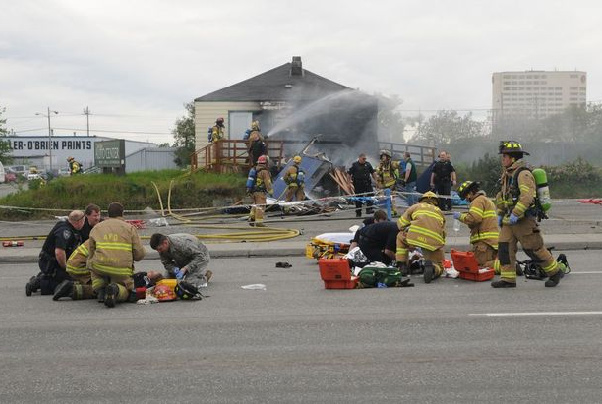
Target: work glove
<point x="457" y="215"/>
<point x="500" y="218"/>
<point x="513" y="219"/>
<point x="178" y="273"/>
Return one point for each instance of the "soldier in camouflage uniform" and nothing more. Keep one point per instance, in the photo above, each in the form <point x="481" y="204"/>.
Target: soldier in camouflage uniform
<point x="184" y="257"/>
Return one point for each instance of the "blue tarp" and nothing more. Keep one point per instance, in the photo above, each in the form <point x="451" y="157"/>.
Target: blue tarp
<point x="314" y="170"/>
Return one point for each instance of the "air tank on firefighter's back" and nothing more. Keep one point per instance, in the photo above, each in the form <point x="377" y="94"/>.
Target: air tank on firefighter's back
<point x="543" y="190"/>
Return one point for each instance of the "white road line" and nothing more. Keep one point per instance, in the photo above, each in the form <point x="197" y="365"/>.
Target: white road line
<point x="547" y="313"/>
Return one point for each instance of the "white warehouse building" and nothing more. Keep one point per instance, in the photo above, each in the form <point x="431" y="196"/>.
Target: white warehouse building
<point x="34" y="151"/>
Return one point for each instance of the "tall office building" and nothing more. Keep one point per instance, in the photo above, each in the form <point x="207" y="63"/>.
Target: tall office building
<point x="537" y="94"/>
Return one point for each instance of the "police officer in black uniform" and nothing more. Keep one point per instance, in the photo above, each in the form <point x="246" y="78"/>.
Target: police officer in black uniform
<point x="377" y="241"/>
<point x="360" y="172"/>
<point x="62" y="240"/>
<point x="442" y="179"/>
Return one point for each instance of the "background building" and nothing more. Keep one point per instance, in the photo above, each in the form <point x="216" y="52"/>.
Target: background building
<point x="537" y="94"/>
<point x="292" y="104"/>
<point x="33" y="151"/>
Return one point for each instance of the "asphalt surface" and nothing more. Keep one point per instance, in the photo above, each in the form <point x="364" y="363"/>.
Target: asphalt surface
<point x="297" y="342"/>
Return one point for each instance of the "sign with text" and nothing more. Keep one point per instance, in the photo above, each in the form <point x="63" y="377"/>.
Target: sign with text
<point x="109" y="154"/>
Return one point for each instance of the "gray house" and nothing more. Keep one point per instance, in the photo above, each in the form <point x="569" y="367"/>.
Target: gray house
<point x="292" y="104"/>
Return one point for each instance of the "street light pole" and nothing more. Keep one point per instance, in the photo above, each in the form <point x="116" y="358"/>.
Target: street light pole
<point x="49" y="134"/>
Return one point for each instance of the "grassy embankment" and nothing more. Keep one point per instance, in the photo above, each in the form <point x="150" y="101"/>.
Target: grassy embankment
<point x="134" y="190"/>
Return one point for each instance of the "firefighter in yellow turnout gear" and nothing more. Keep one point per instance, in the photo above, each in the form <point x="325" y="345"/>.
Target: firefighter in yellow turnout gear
<point x="422" y="225"/>
<point x="80" y="287"/>
<point x="481" y="219"/>
<point x="387" y="174"/>
<point x="295" y="181"/>
<point x="114" y="246"/>
<point x="217" y="131"/>
<point x="517" y="217"/>
<point x="259" y="185"/>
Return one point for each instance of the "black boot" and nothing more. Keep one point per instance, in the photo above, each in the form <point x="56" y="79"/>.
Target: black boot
<point x="502" y="284"/>
<point x="403" y="268"/>
<point x="112" y="291"/>
<point x="554" y="279"/>
<point x="429" y="271"/>
<point x="64" y="289"/>
<point x="32" y="285"/>
<point x="100" y="295"/>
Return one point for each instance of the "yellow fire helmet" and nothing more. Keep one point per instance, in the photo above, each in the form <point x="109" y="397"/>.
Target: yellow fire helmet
<point x="510" y="146"/>
<point x="465" y="188"/>
<point x="429" y="197"/>
<point x="297" y="159"/>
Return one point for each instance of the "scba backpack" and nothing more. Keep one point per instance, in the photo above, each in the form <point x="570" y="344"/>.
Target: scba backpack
<point x="373" y="277"/>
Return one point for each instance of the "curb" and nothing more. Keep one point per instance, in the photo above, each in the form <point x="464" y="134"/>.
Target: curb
<point x="292" y="250"/>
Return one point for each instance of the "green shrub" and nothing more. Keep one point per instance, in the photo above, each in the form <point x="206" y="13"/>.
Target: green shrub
<point x="135" y="191"/>
<point x="486" y="170"/>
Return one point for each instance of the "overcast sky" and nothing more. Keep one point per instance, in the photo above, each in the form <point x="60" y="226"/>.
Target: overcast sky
<point x="135" y="63"/>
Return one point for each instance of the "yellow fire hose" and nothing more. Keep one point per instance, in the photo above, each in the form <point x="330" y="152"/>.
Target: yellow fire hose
<point x="258" y="234"/>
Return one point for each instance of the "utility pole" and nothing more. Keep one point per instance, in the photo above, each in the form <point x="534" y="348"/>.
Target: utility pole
<point x="47" y="115"/>
<point x="87" y="113"/>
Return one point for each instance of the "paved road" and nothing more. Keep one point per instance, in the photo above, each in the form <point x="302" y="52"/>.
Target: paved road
<point x="297" y="342"/>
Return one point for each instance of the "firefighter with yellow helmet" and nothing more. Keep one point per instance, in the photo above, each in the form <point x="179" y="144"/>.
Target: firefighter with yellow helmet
<point x="517" y="212"/>
<point x="481" y="219"/>
<point x="295" y="181"/>
<point x="422" y="225"/>
<point x="387" y="174"/>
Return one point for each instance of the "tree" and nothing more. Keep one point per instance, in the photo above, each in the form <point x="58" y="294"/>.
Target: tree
<point x="5" y="150"/>
<point x="391" y="123"/>
<point x="447" y="127"/>
<point x="184" y="137"/>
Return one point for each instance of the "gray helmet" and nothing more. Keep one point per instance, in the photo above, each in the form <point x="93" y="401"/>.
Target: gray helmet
<point x="386" y="153"/>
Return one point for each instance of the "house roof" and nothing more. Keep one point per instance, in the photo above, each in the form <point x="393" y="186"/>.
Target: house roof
<point x="277" y="85"/>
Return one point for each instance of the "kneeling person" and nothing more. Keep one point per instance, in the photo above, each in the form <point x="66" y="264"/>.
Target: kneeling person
<point x="481" y="219"/>
<point x="422" y="225"/>
<point x="377" y="240"/>
<point x="184" y="257"/>
<point x="114" y="246"/>
<point x="80" y="287"/>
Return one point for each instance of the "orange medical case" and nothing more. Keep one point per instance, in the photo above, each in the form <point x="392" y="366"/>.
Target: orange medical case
<point x="467" y="265"/>
<point x="336" y="274"/>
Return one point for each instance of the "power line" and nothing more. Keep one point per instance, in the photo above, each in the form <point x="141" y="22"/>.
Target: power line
<point x="117" y="131"/>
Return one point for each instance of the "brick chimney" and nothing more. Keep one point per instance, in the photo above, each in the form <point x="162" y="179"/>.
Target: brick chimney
<point x="296" y="66"/>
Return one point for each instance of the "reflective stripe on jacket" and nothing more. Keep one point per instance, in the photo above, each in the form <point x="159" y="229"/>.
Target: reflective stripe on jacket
<point x="482" y="220"/>
<point x="425" y="226"/>
<point x="114" y="246"/>
<point x="76" y="264"/>
<point x="263" y="182"/>
<point x="387" y="174"/>
<point x="290" y="177"/>
<point x="507" y="201"/>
